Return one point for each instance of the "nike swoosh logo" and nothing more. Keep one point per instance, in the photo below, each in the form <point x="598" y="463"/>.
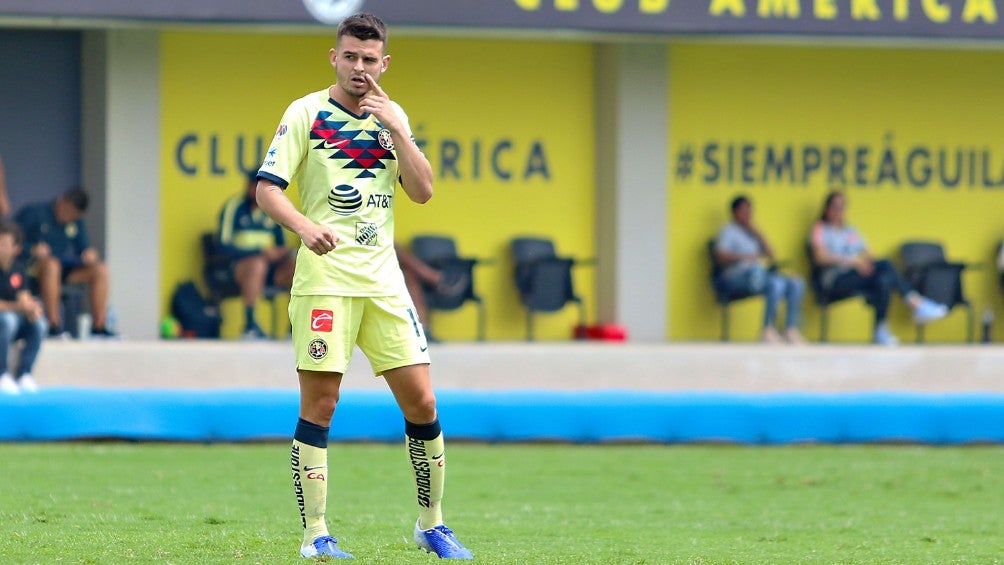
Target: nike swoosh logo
<point x="437" y="457"/>
<point x="336" y="144"/>
<point x="423" y="349"/>
<point x="305" y="468"/>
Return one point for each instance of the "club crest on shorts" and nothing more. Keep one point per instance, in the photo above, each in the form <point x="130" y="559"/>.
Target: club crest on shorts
<point x="317" y="349"/>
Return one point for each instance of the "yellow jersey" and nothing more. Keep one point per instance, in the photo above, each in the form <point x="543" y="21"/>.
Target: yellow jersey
<point x="347" y="174"/>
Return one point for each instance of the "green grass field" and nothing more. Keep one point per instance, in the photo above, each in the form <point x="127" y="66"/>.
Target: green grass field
<point x="541" y="503"/>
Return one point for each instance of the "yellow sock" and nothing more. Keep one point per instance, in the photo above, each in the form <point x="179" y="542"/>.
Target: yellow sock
<point x="310" y="476"/>
<point x="428" y="465"/>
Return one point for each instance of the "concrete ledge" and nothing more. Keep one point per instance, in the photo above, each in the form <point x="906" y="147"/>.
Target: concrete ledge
<point x="568" y="366"/>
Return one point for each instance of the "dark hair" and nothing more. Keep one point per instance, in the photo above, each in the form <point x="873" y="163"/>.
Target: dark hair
<point x="363" y="26"/>
<point x="77" y="197"/>
<point x="739" y="201"/>
<point x="8" y="227"/>
<point x="827" y="202"/>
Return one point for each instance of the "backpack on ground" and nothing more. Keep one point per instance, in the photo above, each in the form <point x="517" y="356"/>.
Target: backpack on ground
<point x="197" y="316"/>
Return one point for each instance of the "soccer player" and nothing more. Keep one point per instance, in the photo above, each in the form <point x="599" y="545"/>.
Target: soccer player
<point x="256" y="247"/>
<point x="348" y="146"/>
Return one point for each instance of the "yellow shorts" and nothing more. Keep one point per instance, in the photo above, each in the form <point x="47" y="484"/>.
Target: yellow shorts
<point x="386" y="329"/>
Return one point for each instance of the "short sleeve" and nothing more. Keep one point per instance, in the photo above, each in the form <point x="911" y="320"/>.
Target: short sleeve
<point x="289" y="145"/>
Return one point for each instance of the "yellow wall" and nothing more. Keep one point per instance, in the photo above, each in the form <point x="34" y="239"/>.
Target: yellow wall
<point x="484" y="111"/>
<point x="867" y="100"/>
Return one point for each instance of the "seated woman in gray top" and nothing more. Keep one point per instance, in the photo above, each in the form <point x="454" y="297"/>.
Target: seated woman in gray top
<point x="745" y="258"/>
<point x="847" y="265"/>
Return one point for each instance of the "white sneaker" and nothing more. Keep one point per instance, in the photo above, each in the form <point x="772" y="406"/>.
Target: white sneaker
<point x="7" y="384"/>
<point x="885" y="337"/>
<point x="27" y="384"/>
<point x="928" y="310"/>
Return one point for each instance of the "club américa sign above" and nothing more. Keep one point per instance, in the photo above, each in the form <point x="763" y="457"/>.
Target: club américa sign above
<point x="930" y="19"/>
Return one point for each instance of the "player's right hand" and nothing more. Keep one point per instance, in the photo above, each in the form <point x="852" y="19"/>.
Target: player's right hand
<point x="319" y="239"/>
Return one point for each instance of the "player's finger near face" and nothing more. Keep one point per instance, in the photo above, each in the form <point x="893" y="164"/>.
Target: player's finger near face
<point x="374" y="86"/>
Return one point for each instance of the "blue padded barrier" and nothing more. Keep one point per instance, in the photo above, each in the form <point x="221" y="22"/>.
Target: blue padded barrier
<point x="507" y="416"/>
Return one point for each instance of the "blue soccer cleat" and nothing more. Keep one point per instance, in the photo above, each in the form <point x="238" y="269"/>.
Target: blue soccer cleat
<point x="440" y="540"/>
<point x="324" y="546"/>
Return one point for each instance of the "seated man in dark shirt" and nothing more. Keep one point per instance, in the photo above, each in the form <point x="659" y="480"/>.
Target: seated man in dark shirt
<point x="60" y="252"/>
<point x="20" y="316"/>
<point x="257" y="248"/>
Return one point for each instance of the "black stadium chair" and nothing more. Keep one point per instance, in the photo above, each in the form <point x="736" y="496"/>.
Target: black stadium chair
<point x="722" y="296"/>
<point x="440" y="252"/>
<point x="543" y="280"/>
<point x="930" y="274"/>
<point x="216" y="273"/>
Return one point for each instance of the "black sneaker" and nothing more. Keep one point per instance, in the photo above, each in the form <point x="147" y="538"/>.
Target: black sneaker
<point x="57" y="332"/>
<point x="104" y="333"/>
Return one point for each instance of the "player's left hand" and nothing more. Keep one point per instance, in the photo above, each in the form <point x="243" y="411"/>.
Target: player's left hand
<point x="377" y="102"/>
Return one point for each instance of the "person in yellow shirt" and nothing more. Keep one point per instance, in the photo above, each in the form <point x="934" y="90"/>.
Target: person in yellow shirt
<point x="256" y="247"/>
<point x="348" y="146"/>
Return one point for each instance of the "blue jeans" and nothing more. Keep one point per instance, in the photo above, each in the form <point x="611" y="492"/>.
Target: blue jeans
<point x="756" y="279"/>
<point x="14" y="326"/>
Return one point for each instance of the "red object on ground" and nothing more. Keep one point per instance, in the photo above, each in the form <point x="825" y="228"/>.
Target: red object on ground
<point x="602" y="332"/>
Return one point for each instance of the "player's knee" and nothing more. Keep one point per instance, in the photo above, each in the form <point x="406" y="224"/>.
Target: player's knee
<point x="323" y="408"/>
<point x="253" y="266"/>
<point x="49" y="266"/>
<point x="421" y="410"/>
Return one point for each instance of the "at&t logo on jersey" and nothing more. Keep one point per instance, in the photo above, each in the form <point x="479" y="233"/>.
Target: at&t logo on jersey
<point x="321" y="320"/>
<point x="344" y="200"/>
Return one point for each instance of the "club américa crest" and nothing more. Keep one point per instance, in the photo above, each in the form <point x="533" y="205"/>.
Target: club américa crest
<point x="386" y="139"/>
<point x="317" y="349"/>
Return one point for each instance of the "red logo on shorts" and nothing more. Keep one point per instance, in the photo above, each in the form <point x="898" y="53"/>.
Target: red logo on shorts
<point x="320" y="320"/>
